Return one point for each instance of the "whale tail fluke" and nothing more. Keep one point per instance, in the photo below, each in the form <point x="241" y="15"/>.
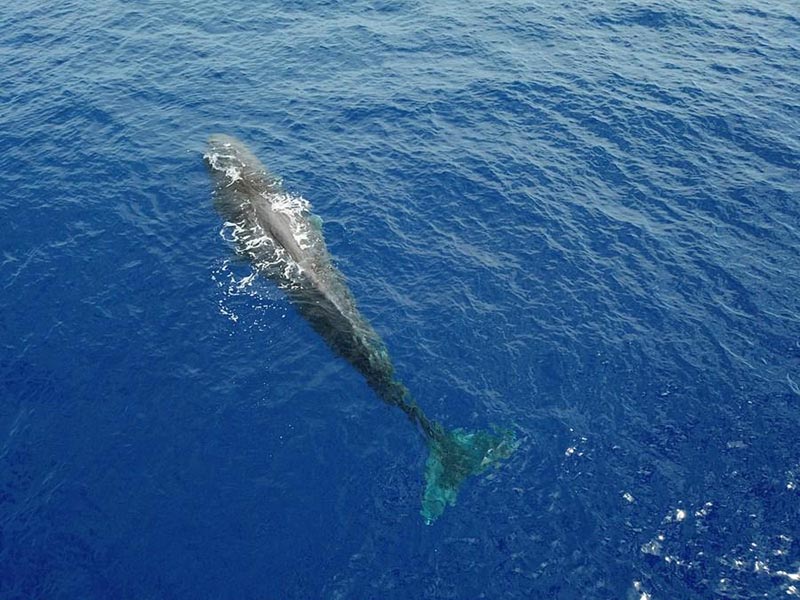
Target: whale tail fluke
<point x="454" y="456"/>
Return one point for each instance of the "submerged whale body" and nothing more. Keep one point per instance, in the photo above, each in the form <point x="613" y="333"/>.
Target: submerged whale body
<point x="283" y="240"/>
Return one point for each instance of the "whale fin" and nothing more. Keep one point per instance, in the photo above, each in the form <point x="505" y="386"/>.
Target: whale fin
<point x="316" y="221"/>
<point x="454" y="456"/>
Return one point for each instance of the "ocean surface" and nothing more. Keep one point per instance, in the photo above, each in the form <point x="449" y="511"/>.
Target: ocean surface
<point x="577" y="220"/>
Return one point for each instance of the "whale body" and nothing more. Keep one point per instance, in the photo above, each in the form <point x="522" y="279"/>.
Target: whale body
<point x="283" y="240"/>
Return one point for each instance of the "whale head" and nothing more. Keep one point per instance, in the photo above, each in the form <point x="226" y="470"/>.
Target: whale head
<point x="232" y="163"/>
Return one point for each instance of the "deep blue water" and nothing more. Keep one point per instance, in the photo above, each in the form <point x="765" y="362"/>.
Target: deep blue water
<point x="579" y="220"/>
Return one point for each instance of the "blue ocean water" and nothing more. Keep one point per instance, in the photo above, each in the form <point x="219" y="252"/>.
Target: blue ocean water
<point x="578" y="220"/>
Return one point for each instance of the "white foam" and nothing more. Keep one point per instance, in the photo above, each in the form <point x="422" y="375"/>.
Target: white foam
<point x="703" y="512"/>
<point x="241" y="294"/>
<point x="675" y="516"/>
<point x="643" y="595"/>
<point x="214" y="159"/>
<point x="233" y="174"/>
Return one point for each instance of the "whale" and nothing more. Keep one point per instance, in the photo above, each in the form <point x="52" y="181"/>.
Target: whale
<point x="277" y="232"/>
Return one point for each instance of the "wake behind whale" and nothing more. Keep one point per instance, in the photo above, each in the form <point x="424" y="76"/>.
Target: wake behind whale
<point x="283" y="240"/>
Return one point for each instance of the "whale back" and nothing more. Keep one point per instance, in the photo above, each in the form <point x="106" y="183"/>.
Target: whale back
<point x="280" y="235"/>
